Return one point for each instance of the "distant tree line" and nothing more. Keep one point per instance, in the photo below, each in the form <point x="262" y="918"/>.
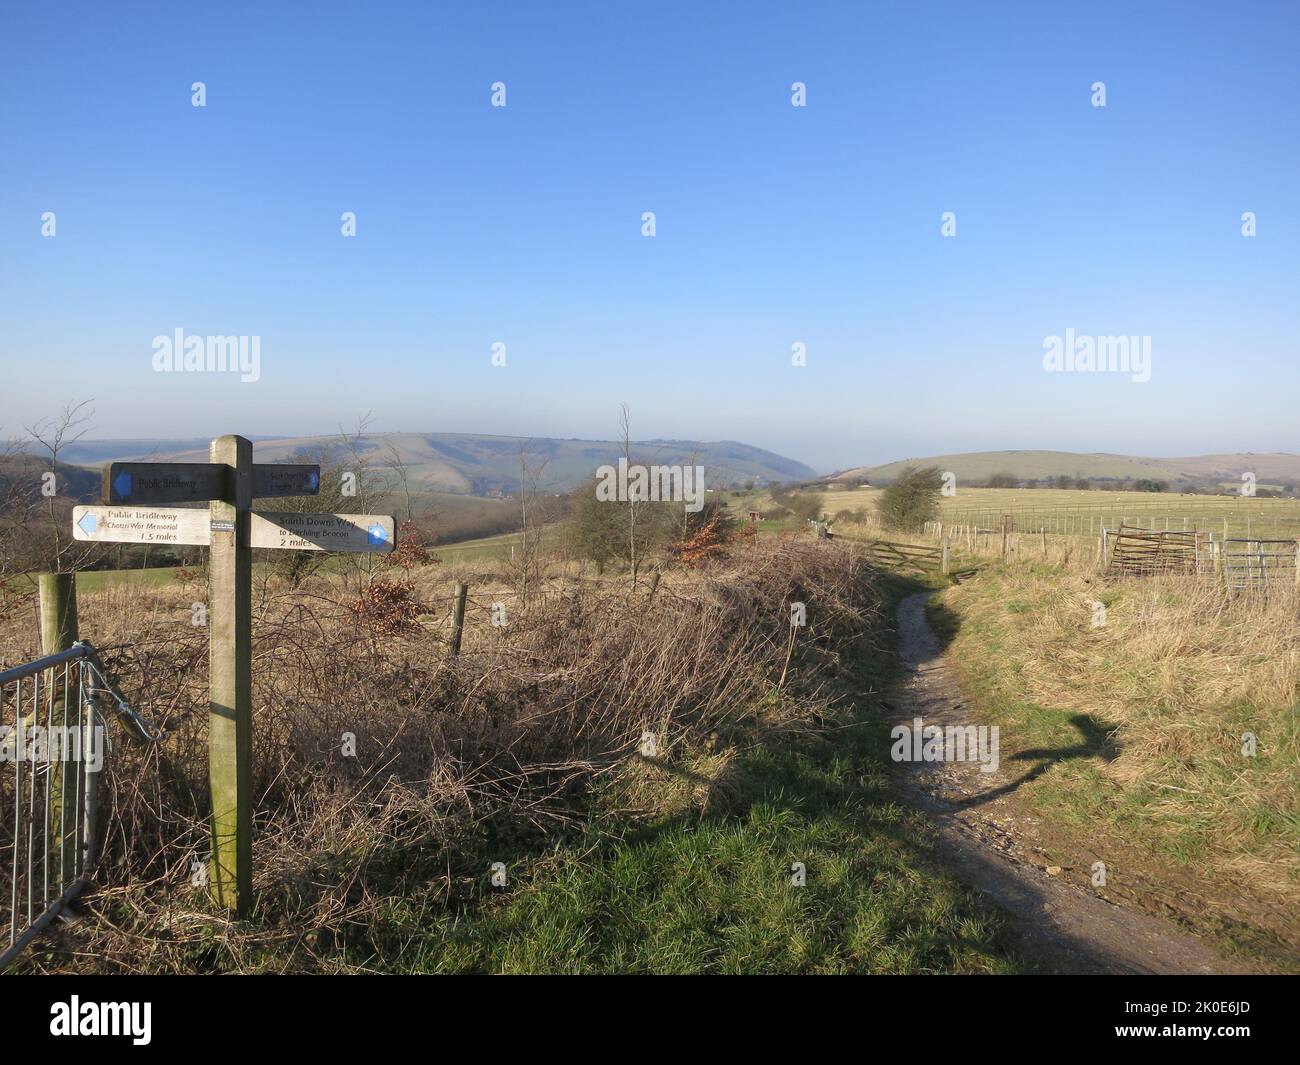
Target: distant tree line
<point x="1006" y="479"/>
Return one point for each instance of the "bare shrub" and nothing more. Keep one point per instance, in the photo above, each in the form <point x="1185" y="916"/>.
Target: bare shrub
<point x="911" y="499"/>
<point x="381" y="765"/>
<point x="386" y="608"/>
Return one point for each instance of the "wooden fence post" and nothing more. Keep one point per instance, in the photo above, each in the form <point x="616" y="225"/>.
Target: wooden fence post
<point x="58" y="596"/>
<point x="458" y="616"/>
<point x="58" y="593"/>
<point x="230" y="712"/>
<point x="1004" y="536"/>
<point x="943" y="565"/>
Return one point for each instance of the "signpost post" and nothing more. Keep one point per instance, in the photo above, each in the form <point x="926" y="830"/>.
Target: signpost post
<point x="230" y="678"/>
<point x="230" y="528"/>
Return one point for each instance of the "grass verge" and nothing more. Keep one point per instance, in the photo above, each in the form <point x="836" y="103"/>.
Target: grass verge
<point x="1131" y="701"/>
<point x="698" y="891"/>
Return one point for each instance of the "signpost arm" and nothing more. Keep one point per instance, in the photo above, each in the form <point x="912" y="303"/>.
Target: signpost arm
<point x="230" y="736"/>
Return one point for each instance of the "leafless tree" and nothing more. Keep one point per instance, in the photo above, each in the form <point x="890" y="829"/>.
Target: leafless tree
<point x="18" y="503"/>
<point x="54" y="435"/>
<point x="397" y="464"/>
<point x="691" y="461"/>
<point x="365" y="484"/>
<point x="531" y="516"/>
<point x="625" y="427"/>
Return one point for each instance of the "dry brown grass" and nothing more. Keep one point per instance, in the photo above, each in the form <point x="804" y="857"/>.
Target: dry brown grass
<point x="1178" y="674"/>
<point x="512" y="741"/>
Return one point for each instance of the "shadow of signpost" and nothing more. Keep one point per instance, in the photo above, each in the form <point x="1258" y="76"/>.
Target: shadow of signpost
<point x="1097" y="740"/>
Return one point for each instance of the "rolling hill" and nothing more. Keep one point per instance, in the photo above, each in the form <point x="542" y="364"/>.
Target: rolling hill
<point x="20" y="476"/>
<point x="472" y="464"/>
<point x="1276" y="468"/>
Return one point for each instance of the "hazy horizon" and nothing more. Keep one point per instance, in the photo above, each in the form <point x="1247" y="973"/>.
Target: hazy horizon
<point x="94" y="438"/>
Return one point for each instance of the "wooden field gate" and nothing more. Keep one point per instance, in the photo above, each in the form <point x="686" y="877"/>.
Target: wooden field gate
<point x="906" y="556"/>
<point x="1144" y="552"/>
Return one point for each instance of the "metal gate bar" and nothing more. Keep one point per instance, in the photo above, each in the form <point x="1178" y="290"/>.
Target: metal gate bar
<point x="53" y="732"/>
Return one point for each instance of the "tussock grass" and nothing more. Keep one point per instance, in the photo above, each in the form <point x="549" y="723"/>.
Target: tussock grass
<point x="1166" y="688"/>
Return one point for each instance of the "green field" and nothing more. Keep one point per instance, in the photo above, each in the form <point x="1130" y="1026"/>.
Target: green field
<point x="475" y="550"/>
<point x="977" y="466"/>
<point x="1083" y="513"/>
<point x="1058" y="511"/>
<point x="97" y="580"/>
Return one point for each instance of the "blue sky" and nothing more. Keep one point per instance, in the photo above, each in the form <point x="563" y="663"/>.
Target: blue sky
<point x="775" y="224"/>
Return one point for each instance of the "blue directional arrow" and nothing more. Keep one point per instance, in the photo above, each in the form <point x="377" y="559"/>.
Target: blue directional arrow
<point x="378" y="534"/>
<point x="313" y="480"/>
<point x="90" y="523"/>
<point x="122" y="485"/>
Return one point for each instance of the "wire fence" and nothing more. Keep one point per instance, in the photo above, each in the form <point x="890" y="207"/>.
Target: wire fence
<point x="1239" y="564"/>
<point x="1235" y="517"/>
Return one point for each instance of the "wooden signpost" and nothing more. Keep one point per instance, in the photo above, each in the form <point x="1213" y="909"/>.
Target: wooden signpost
<point x="137" y="492"/>
<point x="294" y="531"/>
<point x="199" y="482"/>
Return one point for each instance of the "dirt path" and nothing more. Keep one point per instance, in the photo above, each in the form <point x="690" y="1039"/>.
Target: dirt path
<point x="989" y="841"/>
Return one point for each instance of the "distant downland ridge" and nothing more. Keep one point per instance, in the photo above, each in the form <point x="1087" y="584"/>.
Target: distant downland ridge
<point x="478" y="464"/>
<point x="979" y="466"/>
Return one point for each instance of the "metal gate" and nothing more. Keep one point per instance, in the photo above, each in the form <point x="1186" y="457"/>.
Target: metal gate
<point x="1257" y="564"/>
<point x="53" y="739"/>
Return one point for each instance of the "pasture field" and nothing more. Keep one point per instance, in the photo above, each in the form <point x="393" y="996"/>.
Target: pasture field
<point x="98" y="580"/>
<point x="1273" y="470"/>
<point x="1060" y="511"/>
<point x="1083" y="513"/>
<point x="488" y="547"/>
